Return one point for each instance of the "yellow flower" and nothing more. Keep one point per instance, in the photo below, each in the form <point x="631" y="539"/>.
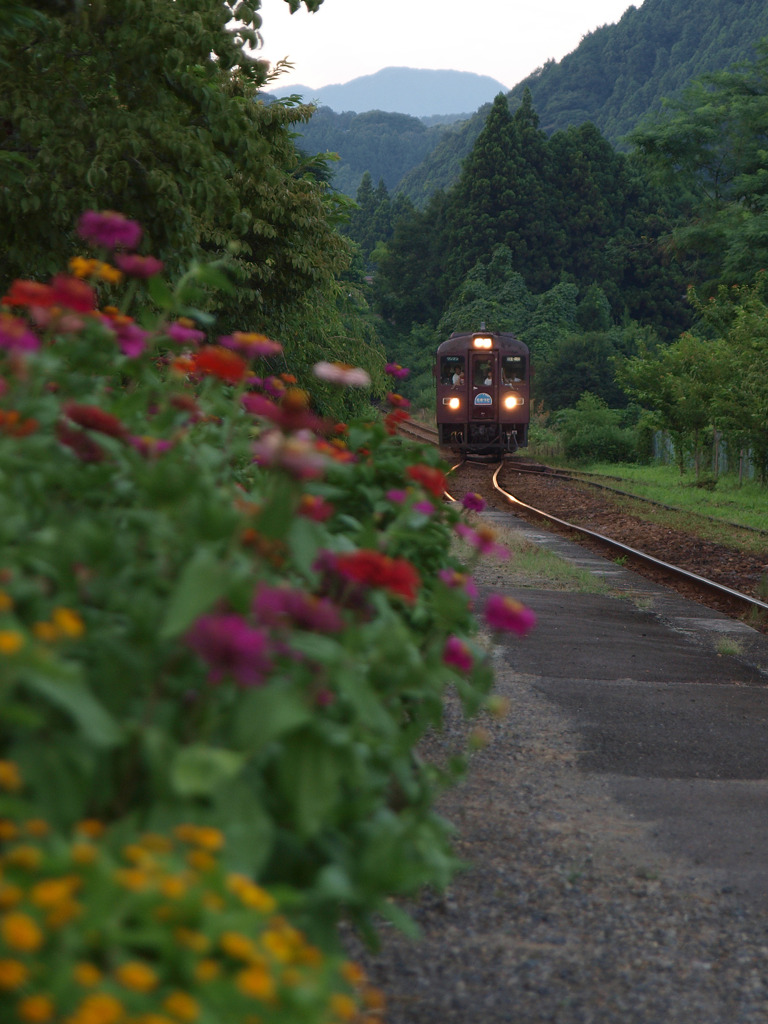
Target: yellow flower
<point x="11" y="641"/>
<point x="6" y="601"/>
<point x="137" y="976"/>
<point x="353" y="973"/>
<point x="237" y="945"/>
<point x="91" y="828"/>
<point x="201" y="860"/>
<point x="10" y="777"/>
<point x="181" y="1006"/>
<point x="13" y="974"/>
<point x="173" y="887"/>
<point x="45" y="632"/>
<point x="83" y="853"/>
<point x="250" y="894"/>
<point x="207" y="970"/>
<point x="196" y="941"/>
<point x="109" y="273"/>
<point x="10" y="895"/>
<point x="342" y="1006"/>
<point x="36" y="827"/>
<point x="99" y="1008"/>
<point x="209" y="838"/>
<point x="256" y="983"/>
<point x="81" y="267"/>
<point x="36" y="1009"/>
<point x="24" y="856"/>
<point x="68" y="622"/>
<point x="8" y="829"/>
<point x="21" y="932"/>
<point x="53" y="891"/>
<point x="86" y="974"/>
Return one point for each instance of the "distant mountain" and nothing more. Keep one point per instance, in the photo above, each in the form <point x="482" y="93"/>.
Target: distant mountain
<point x="421" y="92"/>
<point x="617" y="75"/>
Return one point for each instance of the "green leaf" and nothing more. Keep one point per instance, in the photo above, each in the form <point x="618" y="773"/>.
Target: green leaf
<point x="199" y="770"/>
<point x="268" y="713"/>
<point x="160" y="292"/>
<point x="310" y="776"/>
<point x="61" y="685"/>
<point x="202" y="582"/>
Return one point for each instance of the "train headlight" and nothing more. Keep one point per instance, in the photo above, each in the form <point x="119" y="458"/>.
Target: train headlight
<point x="482" y="342"/>
<point x="510" y="401"/>
<point x="454" y="403"/>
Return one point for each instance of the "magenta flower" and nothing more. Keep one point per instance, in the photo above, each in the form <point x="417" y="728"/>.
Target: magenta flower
<point x="295" y="453"/>
<point x="395" y="370"/>
<point x="457" y="654"/>
<point x="131" y="339"/>
<point x="133" y="265"/>
<point x="483" y="539"/>
<point x="459" y="581"/>
<point x="231" y="648"/>
<point x="109" y="229"/>
<point x="397" y="495"/>
<point x="473" y="502"/>
<point x="183" y="333"/>
<point x="505" y="615"/>
<point x="286" y="607"/>
<point x="15" y="334"/>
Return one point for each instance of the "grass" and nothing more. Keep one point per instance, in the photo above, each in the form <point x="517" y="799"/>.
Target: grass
<point x="533" y="565"/>
<point x="728" y="503"/>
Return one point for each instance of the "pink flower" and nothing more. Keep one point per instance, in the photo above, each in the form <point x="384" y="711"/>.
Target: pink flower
<point x="183" y="332"/>
<point x="457" y="654"/>
<point x="342" y="373"/>
<point x="473" y="502"/>
<point x="483" y="539"/>
<point x="231" y="648"/>
<point x="133" y="265"/>
<point x="506" y="615"/>
<point x="395" y="370"/>
<point x="295" y="453"/>
<point x="15" y="334"/>
<point x="149" y="447"/>
<point x="254" y="345"/>
<point x="109" y="229"/>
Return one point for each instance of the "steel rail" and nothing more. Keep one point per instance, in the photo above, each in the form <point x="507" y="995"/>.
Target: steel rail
<point x="673" y="570"/>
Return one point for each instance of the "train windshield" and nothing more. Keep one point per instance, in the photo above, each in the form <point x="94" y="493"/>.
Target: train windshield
<point x="512" y="369"/>
<point x="452" y="370"/>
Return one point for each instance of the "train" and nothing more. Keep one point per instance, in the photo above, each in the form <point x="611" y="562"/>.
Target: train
<point x="483" y="393"/>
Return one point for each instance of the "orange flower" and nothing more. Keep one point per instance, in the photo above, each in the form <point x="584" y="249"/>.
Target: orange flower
<point x="21" y="932"/>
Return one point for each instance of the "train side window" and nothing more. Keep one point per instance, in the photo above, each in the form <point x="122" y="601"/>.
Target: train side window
<point x="452" y="370"/>
<point x="512" y="369"/>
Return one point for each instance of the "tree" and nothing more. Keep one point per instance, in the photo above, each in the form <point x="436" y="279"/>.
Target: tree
<point x="712" y="143"/>
<point x="151" y="108"/>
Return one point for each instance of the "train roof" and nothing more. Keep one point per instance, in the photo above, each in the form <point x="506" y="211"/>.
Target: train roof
<point x="459" y="341"/>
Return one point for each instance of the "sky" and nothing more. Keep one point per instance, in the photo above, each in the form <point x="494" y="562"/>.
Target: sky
<point x="506" y="39"/>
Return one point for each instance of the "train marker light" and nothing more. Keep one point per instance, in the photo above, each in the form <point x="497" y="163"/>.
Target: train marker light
<point x="510" y="401"/>
<point x="481" y="341"/>
<point x="454" y="403"/>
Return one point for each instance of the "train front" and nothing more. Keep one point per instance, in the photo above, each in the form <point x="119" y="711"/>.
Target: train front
<point x="483" y="393"/>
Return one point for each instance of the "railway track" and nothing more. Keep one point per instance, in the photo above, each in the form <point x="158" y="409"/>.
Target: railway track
<point x="695" y="584"/>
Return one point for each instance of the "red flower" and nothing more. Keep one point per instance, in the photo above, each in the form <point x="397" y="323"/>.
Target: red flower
<point x="504" y="614"/>
<point x="29" y="293"/>
<point x="431" y="479"/>
<point x="392" y="419"/>
<point x="378" y="570"/>
<point x="72" y="293"/>
<point x="86" y="449"/>
<point x="94" y="418"/>
<point x="221" y="362"/>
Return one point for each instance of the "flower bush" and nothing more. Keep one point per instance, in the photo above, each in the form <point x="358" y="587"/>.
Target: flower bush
<point x="156" y="933"/>
<point x="218" y="607"/>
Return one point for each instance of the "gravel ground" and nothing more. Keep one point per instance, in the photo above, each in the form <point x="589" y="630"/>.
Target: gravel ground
<point x="567" y="913"/>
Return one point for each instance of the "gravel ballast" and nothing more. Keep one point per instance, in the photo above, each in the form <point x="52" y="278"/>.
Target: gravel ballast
<point x="572" y="910"/>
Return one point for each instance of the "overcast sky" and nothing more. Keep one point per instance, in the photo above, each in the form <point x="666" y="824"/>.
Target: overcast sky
<point x="506" y="39"/>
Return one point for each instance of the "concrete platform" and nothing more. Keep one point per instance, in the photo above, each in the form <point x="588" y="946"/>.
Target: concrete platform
<point x="674" y="728"/>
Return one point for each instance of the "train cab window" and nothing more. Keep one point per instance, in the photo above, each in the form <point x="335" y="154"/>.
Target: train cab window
<point x="482" y="375"/>
<point x="452" y="370"/>
<point x="512" y="369"/>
